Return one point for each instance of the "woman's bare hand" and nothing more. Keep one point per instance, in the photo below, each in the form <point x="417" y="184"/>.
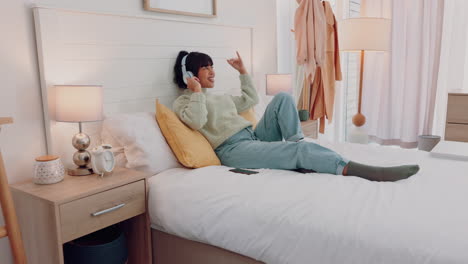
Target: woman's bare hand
<point x="194" y="84"/>
<point x="237" y="64"/>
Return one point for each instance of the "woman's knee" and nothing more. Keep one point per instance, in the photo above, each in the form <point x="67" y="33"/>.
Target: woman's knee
<point x="283" y="97"/>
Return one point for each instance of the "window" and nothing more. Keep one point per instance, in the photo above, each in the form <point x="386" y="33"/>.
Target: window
<point x="350" y="68"/>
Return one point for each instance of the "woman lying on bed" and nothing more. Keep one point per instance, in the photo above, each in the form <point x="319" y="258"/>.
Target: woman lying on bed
<point x="238" y="145"/>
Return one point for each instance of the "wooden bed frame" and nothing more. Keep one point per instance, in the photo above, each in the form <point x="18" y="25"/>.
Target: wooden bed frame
<point x="170" y="249"/>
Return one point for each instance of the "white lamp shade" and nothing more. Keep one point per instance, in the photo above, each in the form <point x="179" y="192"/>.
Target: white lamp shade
<point x="78" y="103"/>
<point x="365" y="33"/>
<point x="276" y="83"/>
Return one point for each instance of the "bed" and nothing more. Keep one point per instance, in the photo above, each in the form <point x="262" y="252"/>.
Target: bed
<point x="211" y="215"/>
<point x="287" y="217"/>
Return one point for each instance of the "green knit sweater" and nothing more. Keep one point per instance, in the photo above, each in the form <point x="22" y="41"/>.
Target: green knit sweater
<point x="216" y="116"/>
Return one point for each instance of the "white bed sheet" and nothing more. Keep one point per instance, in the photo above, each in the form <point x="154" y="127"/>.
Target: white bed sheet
<point x="283" y="217"/>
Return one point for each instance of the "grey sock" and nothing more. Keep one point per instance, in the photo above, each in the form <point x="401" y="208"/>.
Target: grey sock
<point x="374" y="173"/>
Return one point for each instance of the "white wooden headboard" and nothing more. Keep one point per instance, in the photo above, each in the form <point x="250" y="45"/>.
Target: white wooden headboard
<point x="132" y="57"/>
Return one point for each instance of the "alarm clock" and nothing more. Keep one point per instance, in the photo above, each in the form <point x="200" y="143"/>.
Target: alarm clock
<point x="102" y="159"/>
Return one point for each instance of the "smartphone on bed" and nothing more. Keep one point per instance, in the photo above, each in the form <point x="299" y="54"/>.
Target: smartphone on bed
<point x="243" y="171"/>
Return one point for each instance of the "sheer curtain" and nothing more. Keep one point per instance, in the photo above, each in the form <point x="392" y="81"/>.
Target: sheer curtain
<point x="399" y="87"/>
<point x="453" y="70"/>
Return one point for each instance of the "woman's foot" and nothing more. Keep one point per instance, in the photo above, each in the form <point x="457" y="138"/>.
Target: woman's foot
<point x="374" y="173"/>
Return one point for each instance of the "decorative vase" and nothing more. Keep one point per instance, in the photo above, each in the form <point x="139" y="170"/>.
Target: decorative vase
<point x="48" y="170"/>
<point x="303" y="115"/>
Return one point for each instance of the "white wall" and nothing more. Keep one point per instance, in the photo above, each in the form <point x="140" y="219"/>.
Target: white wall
<point x="19" y="97"/>
<point x="286" y="44"/>
<point x="20" y="91"/>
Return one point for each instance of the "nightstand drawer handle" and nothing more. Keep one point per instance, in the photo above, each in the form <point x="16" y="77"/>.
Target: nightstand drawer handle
<point x="105" y="211"/>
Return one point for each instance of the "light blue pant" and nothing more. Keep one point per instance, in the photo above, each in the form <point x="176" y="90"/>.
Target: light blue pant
<point x="265" y="148"/>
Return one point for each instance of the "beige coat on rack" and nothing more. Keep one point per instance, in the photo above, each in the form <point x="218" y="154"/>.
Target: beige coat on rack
<point x="318" y="93"/>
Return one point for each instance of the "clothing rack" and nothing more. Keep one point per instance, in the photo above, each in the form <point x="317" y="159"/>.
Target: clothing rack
<point x="11" y="228"/>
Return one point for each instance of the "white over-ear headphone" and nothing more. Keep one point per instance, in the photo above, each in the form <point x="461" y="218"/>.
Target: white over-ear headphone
<point x="185" y="74"/>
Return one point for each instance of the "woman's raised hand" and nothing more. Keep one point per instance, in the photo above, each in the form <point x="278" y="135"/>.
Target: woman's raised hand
<point x="194" y="84"/>
<point x="237" y="64"/>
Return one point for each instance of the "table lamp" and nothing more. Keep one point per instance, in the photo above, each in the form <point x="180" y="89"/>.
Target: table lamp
<point x="78" y="104"/>
<point x="277" y="83"/>
<point x="364" y="34"/>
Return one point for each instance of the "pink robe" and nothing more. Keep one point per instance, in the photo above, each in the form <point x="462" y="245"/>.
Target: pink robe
<point x="310" y="34"/>
<point x="318" y="94"/>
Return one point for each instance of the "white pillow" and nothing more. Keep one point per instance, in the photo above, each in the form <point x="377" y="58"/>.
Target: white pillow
<point x="140" y="138"/>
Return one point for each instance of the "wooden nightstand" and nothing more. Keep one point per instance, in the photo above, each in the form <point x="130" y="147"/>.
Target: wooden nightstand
<point x="456" y="128"/>
<point x="52" y="215"/>
<point x="310" y="128"/>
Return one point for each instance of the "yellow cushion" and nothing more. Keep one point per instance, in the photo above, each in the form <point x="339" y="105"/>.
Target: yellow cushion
<point x="189" y="146"/>
<point x="250" y="116"/>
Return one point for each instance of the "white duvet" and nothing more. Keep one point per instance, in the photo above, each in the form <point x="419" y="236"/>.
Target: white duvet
<point x="283" y="217"/>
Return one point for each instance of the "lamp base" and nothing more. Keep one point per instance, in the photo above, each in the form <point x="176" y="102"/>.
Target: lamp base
<point x="80" y="171"/>
<point x="358" y="135"/>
